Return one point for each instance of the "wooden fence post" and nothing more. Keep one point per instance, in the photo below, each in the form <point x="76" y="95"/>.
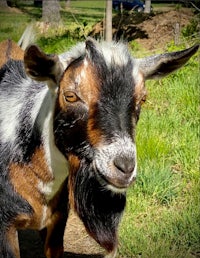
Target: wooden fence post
<point x="177" y="33"/>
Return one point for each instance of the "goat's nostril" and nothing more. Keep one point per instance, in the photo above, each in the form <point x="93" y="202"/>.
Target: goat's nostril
<point x="124" y="164"/>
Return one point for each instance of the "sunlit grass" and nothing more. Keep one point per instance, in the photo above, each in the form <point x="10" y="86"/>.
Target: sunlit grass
<point x="162" y="218"/>
<point x="12" y="25"/>
<point x="75" y="24"/>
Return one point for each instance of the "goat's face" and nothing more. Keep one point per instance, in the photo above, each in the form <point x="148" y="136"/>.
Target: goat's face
<point x="96" y="114"/>
<point x="98" y="103"/>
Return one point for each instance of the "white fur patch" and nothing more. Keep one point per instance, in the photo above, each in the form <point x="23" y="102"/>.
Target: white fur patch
<point x="39" y="98"/>
<point x="44" y="217"/>
<point x="57" y="163"/>
<point x="74" y="53"/>
<point x="115" y="52"/>
<point x="9" y="114"/>
<point x="10" y="122"/>
<point x="112" y="51"/>
<point x="44" y="188"/>
<point x="136" y="73"/>
<point x="112" y="254"/>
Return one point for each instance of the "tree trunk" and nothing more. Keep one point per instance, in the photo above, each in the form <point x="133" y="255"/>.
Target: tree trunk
<point x="108" y="20"/>
<point x="51" y="11"/>
<point x="3" y="4"/>
<point x="147" y="6"/>
<point x="67" y="3"/>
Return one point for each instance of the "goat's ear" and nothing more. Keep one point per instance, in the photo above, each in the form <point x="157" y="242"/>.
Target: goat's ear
<point x="158" y="66"/>
<point x="42" y="67"/>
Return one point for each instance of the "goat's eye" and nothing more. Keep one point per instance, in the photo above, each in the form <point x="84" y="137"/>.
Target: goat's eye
<point x="70" y="96"/>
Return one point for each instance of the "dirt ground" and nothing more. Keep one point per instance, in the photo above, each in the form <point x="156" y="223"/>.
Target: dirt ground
<point x="151" y="32"/>
<point x="77" y="243"/>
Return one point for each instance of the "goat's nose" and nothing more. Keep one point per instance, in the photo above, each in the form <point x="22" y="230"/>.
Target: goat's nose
<point x="124" y="164"/>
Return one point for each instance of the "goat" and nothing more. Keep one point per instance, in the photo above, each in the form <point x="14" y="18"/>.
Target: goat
<point x="77" y="111"/>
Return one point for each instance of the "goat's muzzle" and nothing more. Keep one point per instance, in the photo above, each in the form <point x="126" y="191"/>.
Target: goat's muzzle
<point x="115" y="164"/>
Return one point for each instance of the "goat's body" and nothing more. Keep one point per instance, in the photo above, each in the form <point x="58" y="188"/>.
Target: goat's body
<point x="30" y="127"/>
<point x="29" y="156"/>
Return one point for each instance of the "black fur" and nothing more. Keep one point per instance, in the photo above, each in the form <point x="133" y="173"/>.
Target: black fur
<point x="27" y="133"/>
<point x="19" y="150"/>
<point x="116" y="102"/>
<point x="11" y="205"/>
<point x="99" y="209"/>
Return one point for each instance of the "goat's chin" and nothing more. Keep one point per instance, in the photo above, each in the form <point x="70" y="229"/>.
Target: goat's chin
<point x="115" y="189"/>
<point x="99" y="209"/>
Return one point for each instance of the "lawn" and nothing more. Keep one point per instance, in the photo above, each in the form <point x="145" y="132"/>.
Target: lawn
<point x="12" y="25"/>
<point x="76" y="22"/>
<point x="162" y="218"/>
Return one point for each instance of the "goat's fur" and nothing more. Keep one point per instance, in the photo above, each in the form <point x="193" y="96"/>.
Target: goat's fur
<point x="75" y="112"/>
<point x="10" y="50"/>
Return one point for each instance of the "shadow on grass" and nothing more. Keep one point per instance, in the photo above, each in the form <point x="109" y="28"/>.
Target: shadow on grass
<point x="72" y="255"/>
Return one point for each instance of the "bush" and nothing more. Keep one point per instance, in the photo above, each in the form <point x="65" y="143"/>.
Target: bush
<point x="192" y="28"/>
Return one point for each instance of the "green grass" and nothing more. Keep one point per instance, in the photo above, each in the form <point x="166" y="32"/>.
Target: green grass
<point x="12" y="25"/>
<point x="162" y="218"/>
<point x="76" y="22"/>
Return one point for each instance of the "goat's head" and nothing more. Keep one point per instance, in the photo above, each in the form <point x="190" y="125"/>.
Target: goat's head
<point x="97" y="110"/>
<point x="98" y="104"/>
<point x="99" y="96"/>
<point x="96" y="114"/>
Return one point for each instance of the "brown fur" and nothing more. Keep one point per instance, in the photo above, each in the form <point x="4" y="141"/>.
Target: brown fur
<point x="59" y="208"/>
<point x="76" y="79"/>
<point x="10" y="50"/>
<point x="89" y="94"/>
<point x="74" y="165"/>
<point x="94" y="134"/>
<point x="140" y="90"/>
<point x="27" y="187"/>
<point x="12" y="237"/>
<point x="52" y="215"/>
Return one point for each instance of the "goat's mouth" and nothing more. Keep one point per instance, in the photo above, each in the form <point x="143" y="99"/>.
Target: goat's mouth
<point x="113" y="179"/>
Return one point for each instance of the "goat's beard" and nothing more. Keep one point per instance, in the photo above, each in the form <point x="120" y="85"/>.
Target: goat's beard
<point x="99" y="209"/>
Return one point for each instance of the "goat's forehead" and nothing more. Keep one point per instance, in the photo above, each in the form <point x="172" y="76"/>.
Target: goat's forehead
<point x="111" y="52"/>
<point x="80" y="77"/>
<point x="111" y="70"/>
<point x="115" y="53"/>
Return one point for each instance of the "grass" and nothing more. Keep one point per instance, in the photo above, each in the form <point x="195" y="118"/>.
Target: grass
<point x="162" y="218"/>
<point x="12" y="25"/>
<point x="76" y="22"/>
